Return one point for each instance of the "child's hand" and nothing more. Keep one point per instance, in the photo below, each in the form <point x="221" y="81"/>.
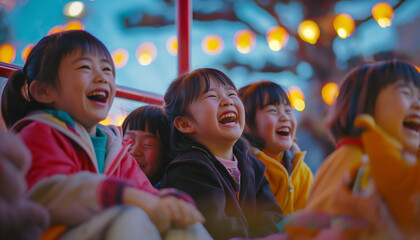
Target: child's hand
<point x="183" y="214"/>
<point x="163" y="211"/>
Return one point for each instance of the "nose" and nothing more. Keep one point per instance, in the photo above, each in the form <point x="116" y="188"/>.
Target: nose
<point x="226" y="101"/>
<point x="100" y="77"/>
<point x="283" y="117"/>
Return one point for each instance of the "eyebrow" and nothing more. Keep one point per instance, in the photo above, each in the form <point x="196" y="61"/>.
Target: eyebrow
<point x="83" y="58"/>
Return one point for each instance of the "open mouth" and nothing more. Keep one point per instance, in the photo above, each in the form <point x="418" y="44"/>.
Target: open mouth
<point x="284" y="131"/>
<point x="228" y="118"/>
<point x="98" y="96"/>
<point x="412" y="123"/>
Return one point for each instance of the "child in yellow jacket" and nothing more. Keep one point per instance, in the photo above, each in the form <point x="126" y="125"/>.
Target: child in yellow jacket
<point x="270" y="129"/>
<point x="372" y="174"/>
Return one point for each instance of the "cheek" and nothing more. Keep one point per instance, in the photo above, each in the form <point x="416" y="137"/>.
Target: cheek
<point x="153" y="155"/>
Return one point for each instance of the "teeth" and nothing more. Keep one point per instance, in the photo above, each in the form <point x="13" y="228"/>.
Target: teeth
<point x="97" y="93"/>
<point x="412" y="120"/>
<point x="228" y="115"/>
<point x="284" y="130"/>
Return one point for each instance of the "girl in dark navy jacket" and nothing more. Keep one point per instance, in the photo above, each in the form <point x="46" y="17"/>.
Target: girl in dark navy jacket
<point x="212" y="163"/>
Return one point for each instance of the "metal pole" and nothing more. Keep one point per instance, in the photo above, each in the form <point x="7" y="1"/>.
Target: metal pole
<point x="183" y="24"/>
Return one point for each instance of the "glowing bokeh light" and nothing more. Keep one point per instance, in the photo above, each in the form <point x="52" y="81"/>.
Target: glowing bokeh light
<point x="309" y="31"/>
<point x="120" y="57"/>
<point x="146" y="53"/>
<point x="74" y="25"/>
<point x="26" y="51"/>
<point x="56" y="29"/>
<point x="74" y="9"/>
<point x="383" y="13"/>
<point x="299" y="104"/>
<point x="277" y="38"/>
<point x="343" y="25"/>
<point x="329" y="92"/>
<point x="296" y="97"/>
<point x="7" y="53"/>
<point x="172" y="45"/>
<point x="244" y="41"/>
<point x="212" y="44"/>
<point x="418" y="68"/>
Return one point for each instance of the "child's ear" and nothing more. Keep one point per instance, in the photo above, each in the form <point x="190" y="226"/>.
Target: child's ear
<point x="184" y="125"/>
<point x="41" y="92"/>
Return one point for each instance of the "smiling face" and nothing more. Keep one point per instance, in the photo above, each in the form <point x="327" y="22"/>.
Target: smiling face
<point x="217" y="117"/>
<point x="397" y="111"/>
<point x="85" y="89"/>
<point x="276" y="124"/>
<point x="147" y="150"/>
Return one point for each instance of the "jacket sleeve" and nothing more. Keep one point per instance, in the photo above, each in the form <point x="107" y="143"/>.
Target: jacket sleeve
<point x="55" y="181"/>
<point x="305" y="183"/>
<point x="202" y="184"/>
<point x="269" y="212"/>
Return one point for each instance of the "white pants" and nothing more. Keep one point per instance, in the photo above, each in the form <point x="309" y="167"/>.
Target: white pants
<point x="127" y="223"/>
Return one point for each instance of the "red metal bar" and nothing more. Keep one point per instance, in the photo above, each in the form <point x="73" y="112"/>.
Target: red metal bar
<point x="122" y="92"/>
<point x="183" y="25"/>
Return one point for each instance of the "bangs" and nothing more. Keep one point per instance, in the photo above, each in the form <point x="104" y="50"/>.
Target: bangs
<point x="200" y="82"/>
<point x="84" y="42"/>
<point x="267" y="93"/>
<point x="147" y="119"/>
<point x="385" y="73"/>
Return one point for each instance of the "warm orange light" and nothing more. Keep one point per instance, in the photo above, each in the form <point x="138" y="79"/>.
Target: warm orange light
<point x="329" y="92"/>
<point x="172" y="45"/>
<point x="308" y="31"/>
<point x="146" y="53"/>
<point x="56" y="29"/>
<point x="74" y="25"/>
<point x="344" y="25"/>
<point x="277" y="38"/>
<point x="26" y="51"/>
<point x="296" y="97"/>
<point x="212" y="44"/>
<point x="418" y="68"/>
<point x="120" y="57"/>
<point x="244" y="41"/>
<point x="7" y="53"/>
<point x="383" y="13"/>
<point x="106" y="121"/>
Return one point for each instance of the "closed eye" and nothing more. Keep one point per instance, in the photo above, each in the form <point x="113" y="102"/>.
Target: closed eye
<point x="84" y="67"/>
